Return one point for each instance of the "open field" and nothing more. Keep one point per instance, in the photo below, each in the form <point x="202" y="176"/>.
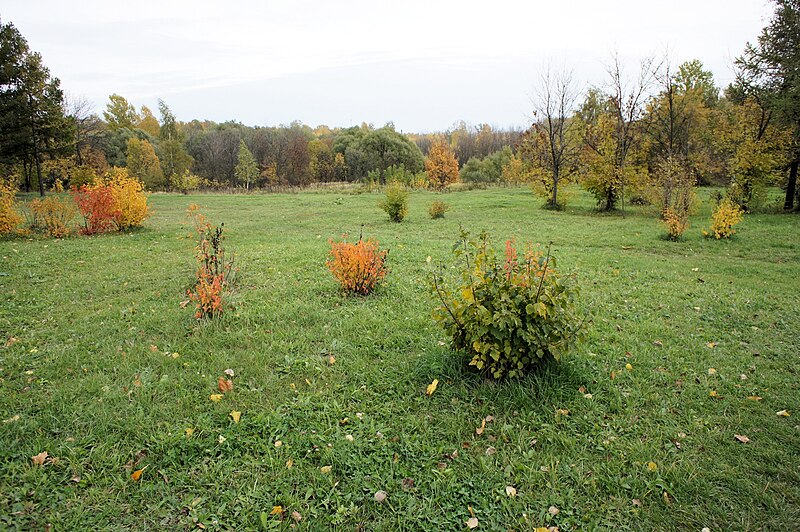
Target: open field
<point x="108" y="372"/>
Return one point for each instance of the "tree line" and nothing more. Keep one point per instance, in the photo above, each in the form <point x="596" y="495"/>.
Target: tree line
<point x="648" y="135"/>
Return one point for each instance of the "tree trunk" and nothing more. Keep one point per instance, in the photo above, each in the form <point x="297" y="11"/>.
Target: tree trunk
<point x="791" y="187"/>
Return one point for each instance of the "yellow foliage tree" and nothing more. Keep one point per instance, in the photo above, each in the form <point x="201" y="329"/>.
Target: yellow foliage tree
<point x="441" y="165"/>
<point x="9" y="217"/>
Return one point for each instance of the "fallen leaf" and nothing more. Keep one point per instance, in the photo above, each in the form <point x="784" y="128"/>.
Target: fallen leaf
<point x="75" y="479"/>
<point x="479" y="430"/>
<point x="331" y="360"/>
<point x="380" y="496"/>
<point x="216" y="397"/>
<point x="613" y="375"/>
<point x="408" y="483"/>
<point x="153" y="348"/>
<point x="587" y="396"/>
<point x="325" y="469"/>
<point x="553" y="510"/>
<point x="229" y="372"/>
<point x="235" y="415"/>
<point x="742" y="377"/>
<point x="296" y="516"/>
<point x="188" y="432"/>
<point x="695" y="269"/>
<point x="184" y="303"/>
<point x="276" y="510"/>
<point x="666" y="497"/>
<point x="712" y="345"/>
<point x="489" y="418"/>
<point x="221" y="439"/>
<point x="137" y="475"/>
<point x="472" y="522"/>
<point x="12" y="419"/>
<point x="713" y="393"/>
<point x="652" y="467"/>
<point x="753" y="398"/>
<point x="224" y="385"/>
<point x="658" y="343"/>
<point x="490" y="451"/>
<point x="432" y="387"/>
<point x="562" y="412"/>
<point x="348" y="437"/>
<point x="511" y="491"/>
<point x="782" y="413"/>
<point x="39" y="458"/>
<point x="637" y="502"/>
<point x="278" y="443"/>
<point x="742" y="439"/>
<point x="582" y="389"/>
<point x="628" y="366"/>
<point x="712" y="371"/>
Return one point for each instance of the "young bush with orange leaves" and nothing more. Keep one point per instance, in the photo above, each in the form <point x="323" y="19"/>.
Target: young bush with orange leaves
<point x="97" y="206"/>
<point x="53" y="215"/>
<point x="9" y="217"/>
<point x="725" y="215"/>
<point x="358" y="267"/>
<point x="676" y="223"/>
<point x="215" y="270"/>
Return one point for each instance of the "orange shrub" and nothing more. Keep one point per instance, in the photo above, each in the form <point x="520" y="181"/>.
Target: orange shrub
<point x="215" y="272"/>
<point x="97" y="206"/>
<point x="9" y="217"/>
<point x="53" y="215"/>
<point x="358" y="267"/>
<point x="676" y="223"/>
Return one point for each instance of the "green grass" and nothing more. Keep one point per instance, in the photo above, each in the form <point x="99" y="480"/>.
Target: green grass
<point x="87" y="310"/>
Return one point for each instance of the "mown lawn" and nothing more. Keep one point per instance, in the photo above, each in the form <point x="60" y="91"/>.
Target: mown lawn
<point x="106" y="372"/>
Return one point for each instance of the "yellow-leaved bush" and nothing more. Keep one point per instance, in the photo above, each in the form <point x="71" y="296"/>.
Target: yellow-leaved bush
<point x="9" y="217"/>
<point x="130" y="200"/>
<point x="53" y="215"/>
<point x="725" y="215"/>
<point x="510" y="315"/>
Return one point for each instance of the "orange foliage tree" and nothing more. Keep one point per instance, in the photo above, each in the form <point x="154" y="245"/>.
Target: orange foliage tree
<point x="441" y="165"/>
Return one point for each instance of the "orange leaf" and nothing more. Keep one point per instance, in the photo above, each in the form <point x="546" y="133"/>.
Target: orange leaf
<point x="276" y="510"/>
<point x="136" y="475"/>
<point x="224" y="385"/>
<point x="39" y="458"/>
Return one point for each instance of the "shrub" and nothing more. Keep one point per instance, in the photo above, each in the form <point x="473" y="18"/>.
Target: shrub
<point x="9" y="217"/>
<point x="437" y="209"/>
<point x="358" y="267"/>
<point x="130" y="201"/>
<point x="508" y="316"/>
<point x="185" y="182"/>
<point x="97" y="206"/>
<point x="396" y="202"/>
<point x="725" y="215"/>
<point x="53" y="215"/>
<point x="215" y="271"/>
<point x="676" y="223"/>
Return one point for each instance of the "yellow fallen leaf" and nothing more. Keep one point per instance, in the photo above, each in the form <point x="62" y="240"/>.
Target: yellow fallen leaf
<point x="479" y="430"/>
<point x="278" y="443"/>
<point x="712" y="371"/>
<point x="753" y="398"/>
<point x="235" y="415"/>
<point x="289" y="463"/>
<point x="782" y="413"/>
<point x="432" y="387"/>
<point x="331" y="360"/>
<point x="652" y="466"/>
<point x="276" y="510"/>
<point x="136" y="475"/>
<point x="628" y="367"/>
<point x="712" y="345"/>
<point x="325" y="469"/>
<point x="12" y="419"/>
<point x="713" y="393"/>
<point x="188" y="432"/>
<point x="562" y="412"/>
<point x="216" y="397"/>
<point x="472" y="522"/>
<point x="511" y="491"/>
<point x="541" y="529"/>
<point x="39" y="458"/>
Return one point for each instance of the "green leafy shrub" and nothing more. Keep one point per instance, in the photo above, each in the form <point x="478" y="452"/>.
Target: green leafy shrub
<point x="395" y="203"/>
<point x="437" y="209"/>
<point x="507" y="315"/>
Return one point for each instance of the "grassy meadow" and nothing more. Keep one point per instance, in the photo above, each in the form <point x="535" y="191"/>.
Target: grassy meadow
<point x="101" y="367"/>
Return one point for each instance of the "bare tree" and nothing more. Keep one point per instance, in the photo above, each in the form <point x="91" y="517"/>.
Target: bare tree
<point x="551" y="144"/>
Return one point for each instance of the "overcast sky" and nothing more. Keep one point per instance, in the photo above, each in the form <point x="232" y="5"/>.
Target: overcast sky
<point x="422" y="64"/>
